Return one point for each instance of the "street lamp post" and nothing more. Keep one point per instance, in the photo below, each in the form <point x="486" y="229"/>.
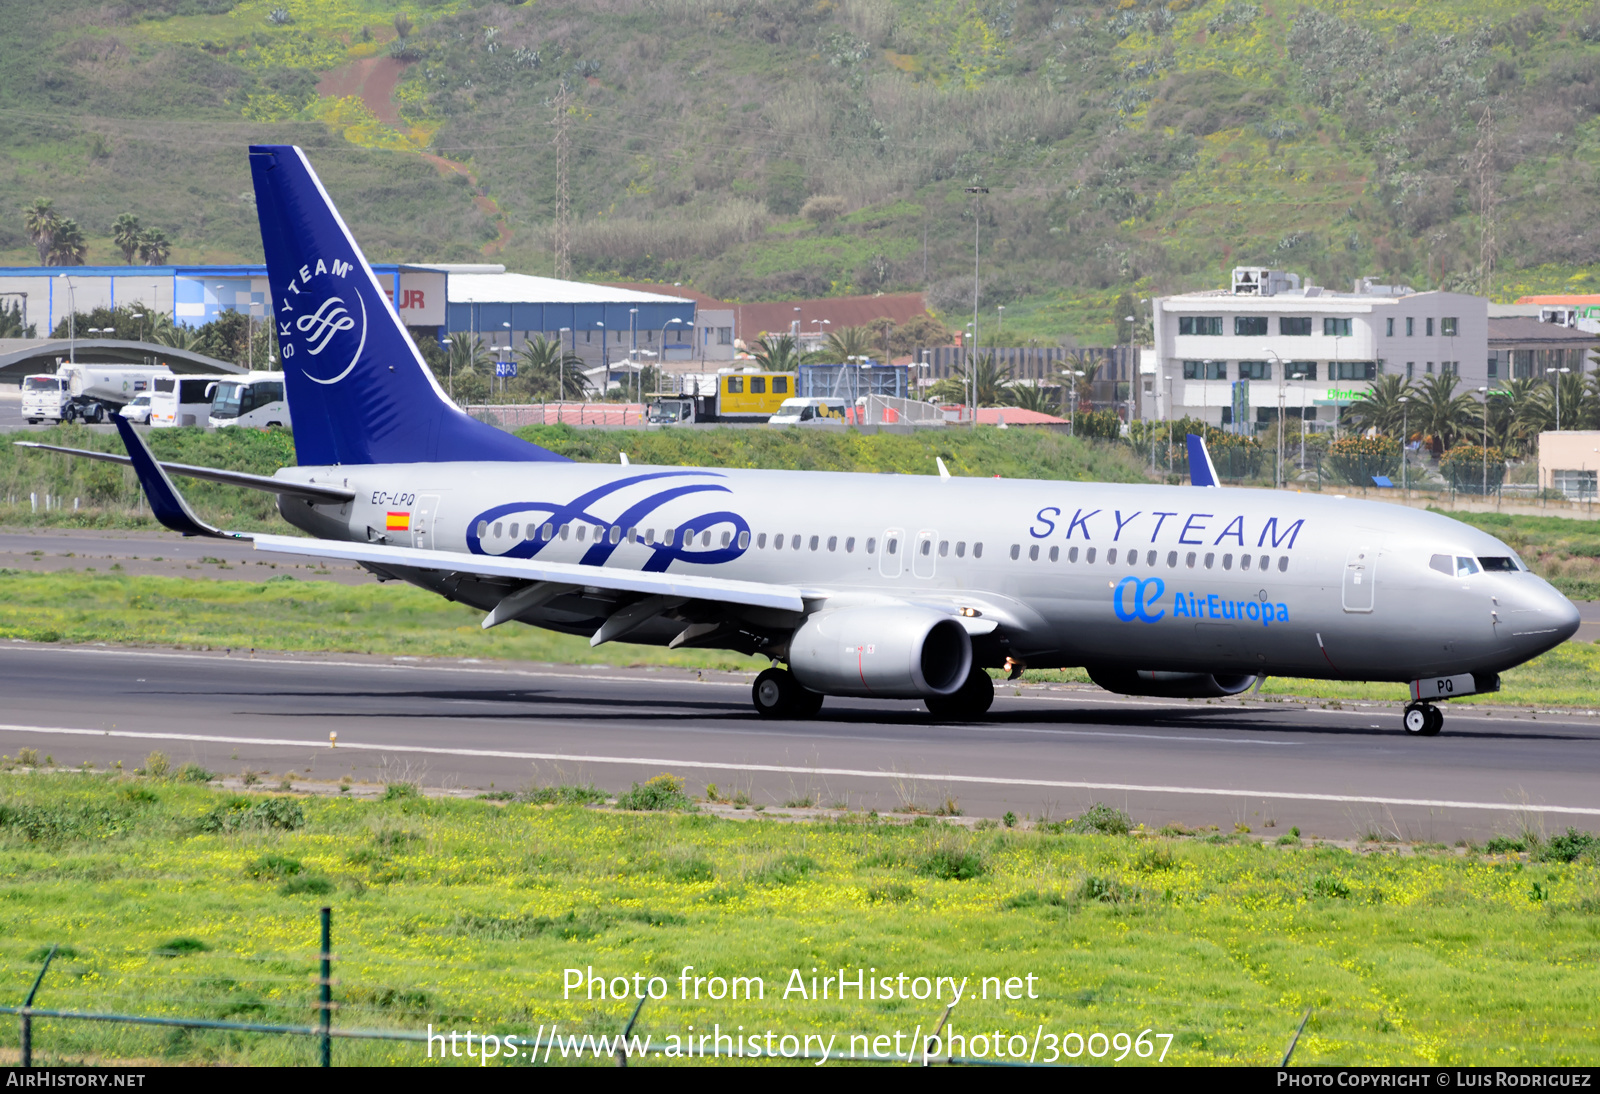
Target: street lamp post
<point x="977" y="223"/>
<point x="450" y="366"/>
<point x="1167" y="376"/>
<point x="605" y="361"/>
<point x="72" y="319"/>
<point x="1557" y="383"/>
<point x="1072" y="402"/>
<point x="561" y="366"/>
<point x="1405" y="438"/>
<point x="662" y="370"/>
<point x="1485" y="445"/>
<point x="1000" y="323"/>
<point x="1128" y="319"/>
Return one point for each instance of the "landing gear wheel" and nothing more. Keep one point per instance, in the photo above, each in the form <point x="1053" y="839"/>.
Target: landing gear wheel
<point x="972" y="700"/>
<point x="777" y="694"/>
<point x="1435" y="722"/>
<point x="1423" y="720"/>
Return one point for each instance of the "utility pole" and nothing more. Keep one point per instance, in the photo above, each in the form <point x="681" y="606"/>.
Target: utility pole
<point x="563" y="142"/>
<point x="1487" y="200"/>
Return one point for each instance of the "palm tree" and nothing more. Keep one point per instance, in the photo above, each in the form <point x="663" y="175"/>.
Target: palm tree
<point x="126" y="235"/>
<point x="1571" y="402"/>
<point x="154" y="247"/>
<point x="1589" y="406"/>
<point x="1034" y="397"/>
<point x="992" y="383"/>
<point x="1381" y="408"/>
<point x="41" y="222"/>
<point x="1517" y="413"/>
<point x="67" y="245"/>
<point x="180" y="337"/>
<point x="848" y="342"/>
<point x="551" y="372"/>
<point x="778" y="353"/>
<point x="1443" y="414"/>
<point x="1080" y="388"/>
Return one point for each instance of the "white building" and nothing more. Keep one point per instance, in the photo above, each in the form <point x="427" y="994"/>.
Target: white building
<point x="1305" y="348"/>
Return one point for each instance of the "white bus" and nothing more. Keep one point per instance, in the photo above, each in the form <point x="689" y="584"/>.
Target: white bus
<point x="181" y="400"/>
<point x="253" y="400"/>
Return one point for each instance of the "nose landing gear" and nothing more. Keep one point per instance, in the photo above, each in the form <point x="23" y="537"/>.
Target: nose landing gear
<point x="1423" y="720"/>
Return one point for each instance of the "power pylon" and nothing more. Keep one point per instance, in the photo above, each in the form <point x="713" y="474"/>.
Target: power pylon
<point x="563" y="142"/>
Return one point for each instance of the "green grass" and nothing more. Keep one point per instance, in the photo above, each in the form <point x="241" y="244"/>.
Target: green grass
<point x="464" y="913"/>
<point x="284" y="614"/>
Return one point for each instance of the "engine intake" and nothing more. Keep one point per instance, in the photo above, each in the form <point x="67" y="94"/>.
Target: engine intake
<point x="1171" y="685"/>
<point x="881" y="652"/>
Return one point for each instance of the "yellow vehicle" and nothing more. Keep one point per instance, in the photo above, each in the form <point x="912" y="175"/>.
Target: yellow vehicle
<point x="752" y="395"/>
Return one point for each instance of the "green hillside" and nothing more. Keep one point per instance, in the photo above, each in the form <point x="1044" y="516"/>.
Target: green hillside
<point x="1130" y="146"/>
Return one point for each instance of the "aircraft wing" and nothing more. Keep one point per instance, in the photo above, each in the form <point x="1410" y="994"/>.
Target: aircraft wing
<point x="753" y="594"/>
<point x="313" y="491"/>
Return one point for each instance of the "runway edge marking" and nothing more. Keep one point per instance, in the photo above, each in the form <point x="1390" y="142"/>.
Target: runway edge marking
<point x="783" y="769"/>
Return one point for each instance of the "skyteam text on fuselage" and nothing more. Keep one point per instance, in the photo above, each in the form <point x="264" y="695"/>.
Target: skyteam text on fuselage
<point x="889" y="586"/>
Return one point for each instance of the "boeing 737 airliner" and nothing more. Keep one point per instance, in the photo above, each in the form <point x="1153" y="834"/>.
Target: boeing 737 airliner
<point x="888" y="586"/>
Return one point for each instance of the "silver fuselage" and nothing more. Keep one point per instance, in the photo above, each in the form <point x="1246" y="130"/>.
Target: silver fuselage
<point x="1180" y="578"/>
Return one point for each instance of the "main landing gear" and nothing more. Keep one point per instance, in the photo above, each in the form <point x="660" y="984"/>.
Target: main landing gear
<point x="777" y="694"/>
<point x="1423" y="720"/>
<point x="972" y="700"/>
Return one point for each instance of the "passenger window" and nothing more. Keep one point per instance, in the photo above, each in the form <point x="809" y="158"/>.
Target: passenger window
<point x="758" y="385"/>
<point x="1444" y="564"/>
<point x="833" y="543"/>
<point x="1033" y="553"/>
<point x="872" y="544"/>
<point x="1210" y="558"/>
<point x="977" y="550"/>
<point x="1055" y="554"/>
<point x="1088" y="556"/>
<point x="514" y="531"/>
<point x="649" y="535"/>
<point x="1227" y="562"/>
<point x="780" y="385"/>
<point x="496" y="529"/>
<point x="927" y="548"/>
<point x="814" y="541"/>
<point x="582" y="530"/>
<point x="633" y="534"/>
<point x="565" y="528"/>
<point x="705" y="538"/>
<point x="1244" y="562"/>
<point x="1465" y="566"/>
<point x="1150" y="559"/>
<point x="1283" y="564"/>
<point x="1172" y="560"/>
<point x="483" y="529"/>
<point x="744" y="540"/>
<point x="1264" y="563"/>
<point x="547" y="533"/>
<point x="892" y="546"/>
<point x="761" y="541"/>
<point x="616" y="534"/>
<point x="961" y="549"/>
<point x="1111" y="557"/>
<point x="666" y="538"/>
<point x="944" y="548"/>
<point x="850" y="545"/>
<point x="1016" y="552"/>
<point x="777" y="542"/>
<point x="1189" y="561"/>
<point x="1072" y="554"/>
<point x="736" y="385"/>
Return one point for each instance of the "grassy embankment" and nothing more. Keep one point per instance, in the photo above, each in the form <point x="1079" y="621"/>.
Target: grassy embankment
<point x="171" y="898"/>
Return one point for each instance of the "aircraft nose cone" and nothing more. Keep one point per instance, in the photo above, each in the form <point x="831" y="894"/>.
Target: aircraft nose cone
<point x="1541" y="618"/>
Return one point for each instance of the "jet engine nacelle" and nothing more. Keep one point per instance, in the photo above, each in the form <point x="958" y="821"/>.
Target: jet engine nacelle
<point x="881" y="652"/>
<point x="1171" y="685"/>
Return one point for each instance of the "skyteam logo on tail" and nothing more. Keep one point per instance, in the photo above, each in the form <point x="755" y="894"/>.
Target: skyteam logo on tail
<point x="318" y="318"/>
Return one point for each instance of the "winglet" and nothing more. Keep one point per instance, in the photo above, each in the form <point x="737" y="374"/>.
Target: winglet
<point x="1202" y="472"/>
<point x="166" y="504"/>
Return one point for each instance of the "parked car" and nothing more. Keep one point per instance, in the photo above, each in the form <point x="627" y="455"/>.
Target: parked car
<point x="138" y="410"/>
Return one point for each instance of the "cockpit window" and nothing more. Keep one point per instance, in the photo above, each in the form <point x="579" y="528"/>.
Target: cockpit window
<point x="1445" y="564"/>
<point x="1499" y="564"/>
<point x="1465" y="566"/>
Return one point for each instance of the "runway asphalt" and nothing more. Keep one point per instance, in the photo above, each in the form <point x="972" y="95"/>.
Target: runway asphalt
<point x="1050" y="752"/>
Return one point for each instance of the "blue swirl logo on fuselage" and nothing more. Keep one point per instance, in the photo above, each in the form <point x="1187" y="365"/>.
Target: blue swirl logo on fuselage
<point x="577" y="511"/>
<point x="1143" y="599"/>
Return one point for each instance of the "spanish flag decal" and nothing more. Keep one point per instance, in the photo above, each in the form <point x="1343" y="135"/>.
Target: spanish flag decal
<point x="398" y="522"/>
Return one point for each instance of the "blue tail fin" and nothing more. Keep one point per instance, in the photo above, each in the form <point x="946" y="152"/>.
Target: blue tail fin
<point x="358" y="390"/>
<point x="1202" y="472"/>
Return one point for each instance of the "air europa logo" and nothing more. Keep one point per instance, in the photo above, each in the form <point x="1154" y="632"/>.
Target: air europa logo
<point x="1145" y="592"/>
<point x="1135" y="599"/>
<point x="316" y="315"/>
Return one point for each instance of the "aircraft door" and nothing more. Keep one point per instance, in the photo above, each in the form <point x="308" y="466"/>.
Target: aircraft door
<point x="889" y="555"/>
<point x="923" y="558"/>
<point x="422" y="522"/>
<point x="1360" y="579"/>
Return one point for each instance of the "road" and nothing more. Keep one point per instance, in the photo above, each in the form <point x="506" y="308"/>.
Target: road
<point x="48" y="550"/>
<point x="1050" y="752"/>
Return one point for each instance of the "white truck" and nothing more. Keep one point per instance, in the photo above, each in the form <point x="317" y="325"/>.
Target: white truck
<point x="85" y="391"/>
